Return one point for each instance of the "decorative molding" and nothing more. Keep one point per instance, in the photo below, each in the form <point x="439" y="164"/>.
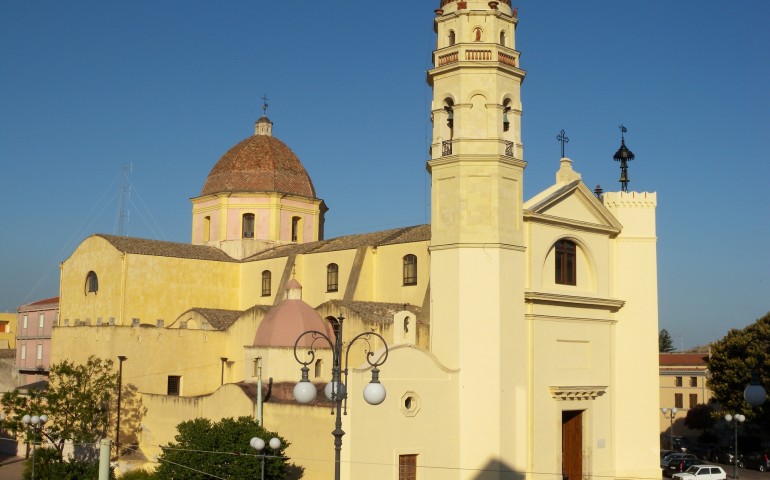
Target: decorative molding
<point x="566" y="222"/>
<point x="545" y="297"/>
<point x="573" y="393"/>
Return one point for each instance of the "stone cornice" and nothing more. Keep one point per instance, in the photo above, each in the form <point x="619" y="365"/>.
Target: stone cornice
<point x="570" y="223"/>
<point x="601" y="302"/>
<point x="503" y="246"/>
<point x="577" y="392"/>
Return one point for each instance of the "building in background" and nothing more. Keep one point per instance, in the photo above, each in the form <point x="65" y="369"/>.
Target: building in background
<point x="682" y="386"/>
<point x="7" y="331"/>
<point x="33" y="340"/>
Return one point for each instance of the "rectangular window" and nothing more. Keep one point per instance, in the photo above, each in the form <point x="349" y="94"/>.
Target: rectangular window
<point x="39" y="351"/>
<point x="410" y="269"/>
<point x="693" y="400"/>
<point x="693" y="381"/>
<point x="24" y="322"/>
<point x="24" y="352"/>
<point x="41" y="320"/>
<point x="678" y="381"/>
<point x="174" y="385"/>
<point x="678" y="400"/>
<point x="206" y="229"/>
<point x="407" y="467"/>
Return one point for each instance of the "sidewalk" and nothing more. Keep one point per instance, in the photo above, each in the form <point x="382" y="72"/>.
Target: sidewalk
<point x="11" y="468"/>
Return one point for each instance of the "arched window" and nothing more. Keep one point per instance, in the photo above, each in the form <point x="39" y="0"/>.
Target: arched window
<point x="477" y="34"/>
<point x="296" y="229"/>
<point x="566" y="271"/>
<point x="502" y="38"/>
<point x="506" y="109"/>
<point x="266" y="283"/>
<point x="92" y="282"/>
<point x="248" y="225"/>
<point x="410" y="269"/>
<point x="332" y="277"/>
<point x="451" y="38"/>
<point x="318" y="368"/>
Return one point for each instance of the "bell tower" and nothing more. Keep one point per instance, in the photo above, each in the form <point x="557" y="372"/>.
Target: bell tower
<point x="477" y="242"/>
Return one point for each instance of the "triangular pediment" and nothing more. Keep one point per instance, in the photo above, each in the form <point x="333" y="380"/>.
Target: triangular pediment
<point x="573" y="204"/>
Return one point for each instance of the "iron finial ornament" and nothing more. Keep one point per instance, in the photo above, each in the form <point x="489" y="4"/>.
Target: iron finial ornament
<point x="264" y="105"/>
<point x="623" y="155"/>
<point x="562" y="137"/>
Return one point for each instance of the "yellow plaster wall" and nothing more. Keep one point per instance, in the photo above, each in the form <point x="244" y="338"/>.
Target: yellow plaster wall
<point x="153" y="354"/>
<point x="141" y="286"/>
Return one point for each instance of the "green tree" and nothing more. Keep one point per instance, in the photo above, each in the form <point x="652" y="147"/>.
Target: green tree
<point x="77" y="403"/>
<point x="221" y="449"/>
<point x="699" y="417"/>
<point x="665" y="343"/>
<point x="732" y="361"/>
<point x="48" y="466"/>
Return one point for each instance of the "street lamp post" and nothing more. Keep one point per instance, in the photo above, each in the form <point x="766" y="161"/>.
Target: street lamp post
<point x="121" y="359"/>
<point x="336" y="390"/>
<point x="736" y="419"/>
<point x="258" y="444"/>
<point x="670" y="413"/>
<point x="36" y="424"/>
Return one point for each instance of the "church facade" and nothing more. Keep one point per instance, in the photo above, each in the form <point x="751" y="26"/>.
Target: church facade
<point x="522" y="335"/>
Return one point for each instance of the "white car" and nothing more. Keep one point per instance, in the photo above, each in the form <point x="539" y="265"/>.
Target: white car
<point x="702" y="472"/>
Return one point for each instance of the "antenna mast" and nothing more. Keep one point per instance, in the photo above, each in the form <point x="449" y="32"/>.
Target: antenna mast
<point x="125" y="193"/>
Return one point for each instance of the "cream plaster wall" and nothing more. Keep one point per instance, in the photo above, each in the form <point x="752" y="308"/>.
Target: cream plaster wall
<point x="427" y="428"/>
<point x="251" y="282"/>
<point x="636" y="358"/>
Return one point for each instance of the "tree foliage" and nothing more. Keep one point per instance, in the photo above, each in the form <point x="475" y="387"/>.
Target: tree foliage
<point x="49" y="466"/>
<point x="77" y="403"/>
<point x="700" y="417"/>
<point x="665" y="343"/>
<point x="222" y="449"/>
<point x="731" y="363"/>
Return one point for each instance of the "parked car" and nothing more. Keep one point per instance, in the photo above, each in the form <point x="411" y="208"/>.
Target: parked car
<point x="663" y="453"/>
<point x="674" y="456"/>
<point x="756" y="461"/>
<point x="701" y="451"/>
<point x="725" y="456"/>
<point x="702" y="472"/>
<point x="679" y="465"/>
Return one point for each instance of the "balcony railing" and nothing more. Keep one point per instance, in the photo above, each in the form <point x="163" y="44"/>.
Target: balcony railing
<point x="466" y="52"/>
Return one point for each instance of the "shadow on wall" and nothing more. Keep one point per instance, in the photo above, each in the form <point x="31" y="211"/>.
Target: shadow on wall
<point x="496" y="470"/>
<point x="132" y="412"/>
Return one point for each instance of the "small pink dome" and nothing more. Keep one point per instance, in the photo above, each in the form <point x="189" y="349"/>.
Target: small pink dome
<point x="285" y="322"/>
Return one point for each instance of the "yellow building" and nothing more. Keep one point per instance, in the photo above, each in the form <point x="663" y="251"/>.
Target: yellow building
<point x="522" y="335"/>
<point x="682" y="386"/>
<point x="7" y="333"/>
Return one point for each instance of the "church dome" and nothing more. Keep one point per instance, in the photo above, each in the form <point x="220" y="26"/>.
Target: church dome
<point x="260" y="163"/>
<point x="285" y="322"/>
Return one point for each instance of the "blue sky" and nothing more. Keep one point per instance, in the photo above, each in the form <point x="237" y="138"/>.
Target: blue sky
<point x="89" y="87"/>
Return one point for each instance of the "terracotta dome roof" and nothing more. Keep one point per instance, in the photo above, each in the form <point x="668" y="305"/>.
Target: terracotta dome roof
<point x="285" y="322"/>
<point x="260" y="163"/>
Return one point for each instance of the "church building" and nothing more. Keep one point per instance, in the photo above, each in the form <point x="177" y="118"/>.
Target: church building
<point x="521" y="334"/>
